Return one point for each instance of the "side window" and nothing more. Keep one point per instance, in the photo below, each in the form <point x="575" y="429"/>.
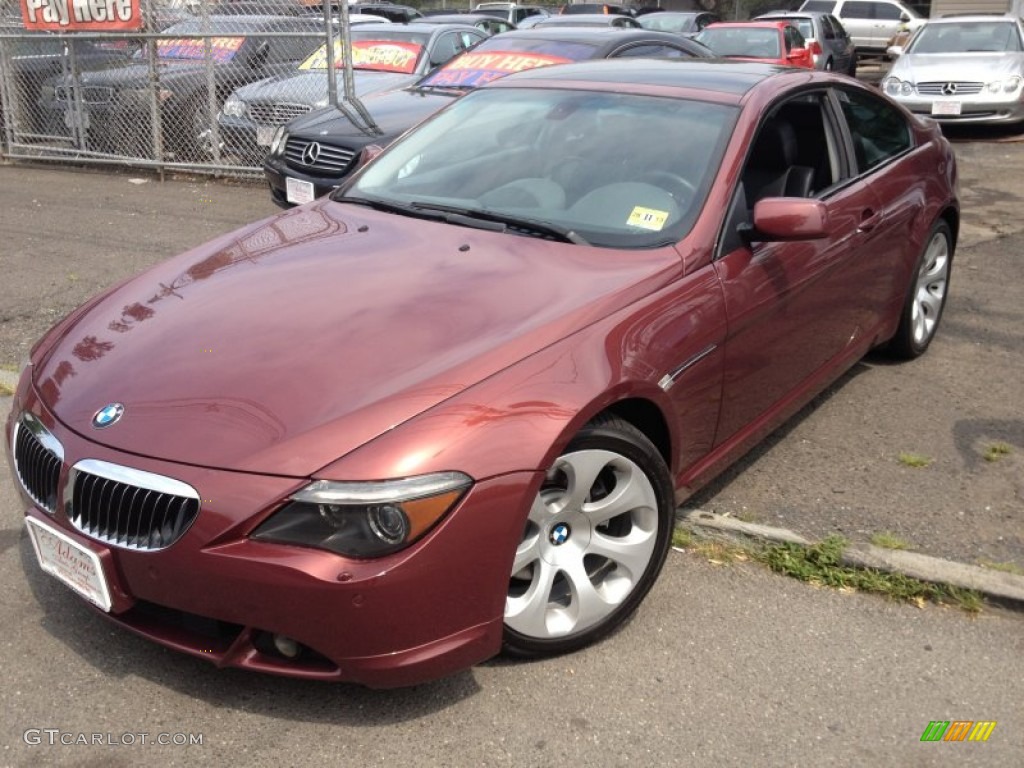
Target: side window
<point x="794" y="154"/>
<point x="468" y="40"/>
<point x="879" y="130"/>
<point x="857" y="10"/>
<point x="887" y="12"/>
<point x="445" y="48"/>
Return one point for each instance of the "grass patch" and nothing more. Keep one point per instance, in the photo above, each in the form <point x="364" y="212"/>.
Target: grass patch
<point x="1013" y="568"/>
<point x="914" y="460"/>
<point x="888" y="540"/>
<point x="10" y="367"/>
<point x="996" y="451"/>
<point x="6" y="391"/>
<point x="713" y="551"/>
<point x="822" y="564"/>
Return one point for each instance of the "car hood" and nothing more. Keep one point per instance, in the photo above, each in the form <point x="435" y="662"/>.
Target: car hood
<point x="311" y="87"/>
<point x="282" y="347"/>
<point x="133" y="74"/>
<point x="394" y="113"/>
<point x="958" y="67"/>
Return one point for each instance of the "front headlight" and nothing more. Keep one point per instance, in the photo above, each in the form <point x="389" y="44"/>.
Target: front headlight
<point x="369" y="519"/>
<point x="896" y="87"/>
<point x="1005" y="86"/>
<point x="278" y="141"/>
<point x="235" y="107"/>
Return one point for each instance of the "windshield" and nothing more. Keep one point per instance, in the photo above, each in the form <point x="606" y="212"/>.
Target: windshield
<point x="668" y="22"/>
<point x="382" y="52"/>
<point x="496" y="58"/>
<point x="749" y="42"/>
<point x="608" y="169"/>
<point x="967" y="37"/>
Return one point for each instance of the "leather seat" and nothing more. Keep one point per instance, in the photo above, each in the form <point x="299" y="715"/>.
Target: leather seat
<point x="772" y="170"/>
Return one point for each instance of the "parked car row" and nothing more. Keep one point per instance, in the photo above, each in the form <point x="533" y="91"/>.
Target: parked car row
<point x="311" y="155"/>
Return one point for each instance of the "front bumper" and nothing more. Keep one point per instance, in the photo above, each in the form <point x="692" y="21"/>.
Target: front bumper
<point x="423" y="613"/>
<point x="971" y="111"/>
<point x="278" y="172"/>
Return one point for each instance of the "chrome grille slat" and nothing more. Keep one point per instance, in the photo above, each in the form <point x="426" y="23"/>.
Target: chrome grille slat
<point x="271" y="113"/>
<point x="962" y="89"/>
<point x="129" y="508"/>
<point x="332" y="160"/>
<point x="38" y="457"/>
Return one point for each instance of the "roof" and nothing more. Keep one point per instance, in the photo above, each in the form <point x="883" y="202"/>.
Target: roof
<point x="729" y="77"/>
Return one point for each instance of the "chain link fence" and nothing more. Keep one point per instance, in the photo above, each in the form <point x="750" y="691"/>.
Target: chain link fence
<point x="154" y="96"/>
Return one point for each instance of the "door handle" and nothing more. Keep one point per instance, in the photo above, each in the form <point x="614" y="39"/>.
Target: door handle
<point x="869" y="219"/>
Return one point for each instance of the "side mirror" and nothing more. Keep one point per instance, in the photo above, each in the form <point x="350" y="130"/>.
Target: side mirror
<point x="789" y="218"/>
<point x="894" y="50"/>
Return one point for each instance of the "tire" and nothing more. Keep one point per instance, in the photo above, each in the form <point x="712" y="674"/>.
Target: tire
<point x="590" y="554"/>
<point x="828" y="65"/>
<point x="852" y="71"/>
<point x="926" y="296"/>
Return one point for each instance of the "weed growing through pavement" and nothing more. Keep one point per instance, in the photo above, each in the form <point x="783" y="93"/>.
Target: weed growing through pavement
<point x="822" y="564"/>
<point x="888" y="540"/>
<point x="915" y="460"/>
<point x="996" y="451"/>
<point x="1013" y="568"/>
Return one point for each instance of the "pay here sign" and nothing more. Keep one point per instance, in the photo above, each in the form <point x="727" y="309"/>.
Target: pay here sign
<point x="72" y="15"/>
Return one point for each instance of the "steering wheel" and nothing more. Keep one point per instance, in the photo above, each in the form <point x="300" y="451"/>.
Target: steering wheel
<point x="682" y="190"/>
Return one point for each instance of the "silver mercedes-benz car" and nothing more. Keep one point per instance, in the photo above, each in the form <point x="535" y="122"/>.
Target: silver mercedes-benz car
<point x="963" y="69"/>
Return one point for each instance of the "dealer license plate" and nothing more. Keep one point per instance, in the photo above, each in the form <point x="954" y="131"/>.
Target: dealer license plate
<point x="265" y="135"/>
<point x="297" y="191"/>
<point x="61" y="556"/>
<point x="946" y="107"/>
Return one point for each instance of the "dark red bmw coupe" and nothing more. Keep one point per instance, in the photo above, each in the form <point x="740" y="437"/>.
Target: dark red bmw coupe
<point x="451" y="409"/>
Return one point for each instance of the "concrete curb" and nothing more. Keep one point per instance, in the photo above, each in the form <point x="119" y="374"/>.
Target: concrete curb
<point x="994" y="584"/>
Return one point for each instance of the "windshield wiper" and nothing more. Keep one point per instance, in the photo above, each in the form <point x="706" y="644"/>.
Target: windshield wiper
<point x="501" y="222"/>
<point x="390" y="207"/>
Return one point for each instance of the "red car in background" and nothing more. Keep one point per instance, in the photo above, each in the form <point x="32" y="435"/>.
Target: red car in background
<point x="773" y="42"/>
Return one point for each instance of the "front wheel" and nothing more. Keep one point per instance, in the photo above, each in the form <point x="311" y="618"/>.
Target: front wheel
<point x="594" y="543"/>
<point x="922" y="310"/>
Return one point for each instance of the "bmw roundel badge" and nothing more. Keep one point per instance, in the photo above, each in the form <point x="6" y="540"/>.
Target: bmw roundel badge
<point x="107" y="415"/>
<point x="559" y="534"/>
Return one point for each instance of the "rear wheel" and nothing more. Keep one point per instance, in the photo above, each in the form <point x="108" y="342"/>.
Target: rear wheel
<point x="594" y="543"/>
<point x="922" y="310"/>
<point x="828" y="65"/>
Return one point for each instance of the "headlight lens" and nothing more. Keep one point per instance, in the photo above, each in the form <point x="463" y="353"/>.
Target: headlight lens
<point x="896" y="87"/>
<point x="278" y="141"/>
<point x="235" y="107"/>
<point x="364" y="519"/>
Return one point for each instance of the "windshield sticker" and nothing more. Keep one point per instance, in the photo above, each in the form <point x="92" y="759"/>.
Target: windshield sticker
<point x="474" y="69"/>
<point x="222" y="49"/>
<point x="647" y="218"/>
<point x="379" y="55"/>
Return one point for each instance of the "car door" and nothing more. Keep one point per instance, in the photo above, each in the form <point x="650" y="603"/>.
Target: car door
<point x="858" y="17"/>
<point x="794" y="308"/>
<point x="882" y="148"/>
